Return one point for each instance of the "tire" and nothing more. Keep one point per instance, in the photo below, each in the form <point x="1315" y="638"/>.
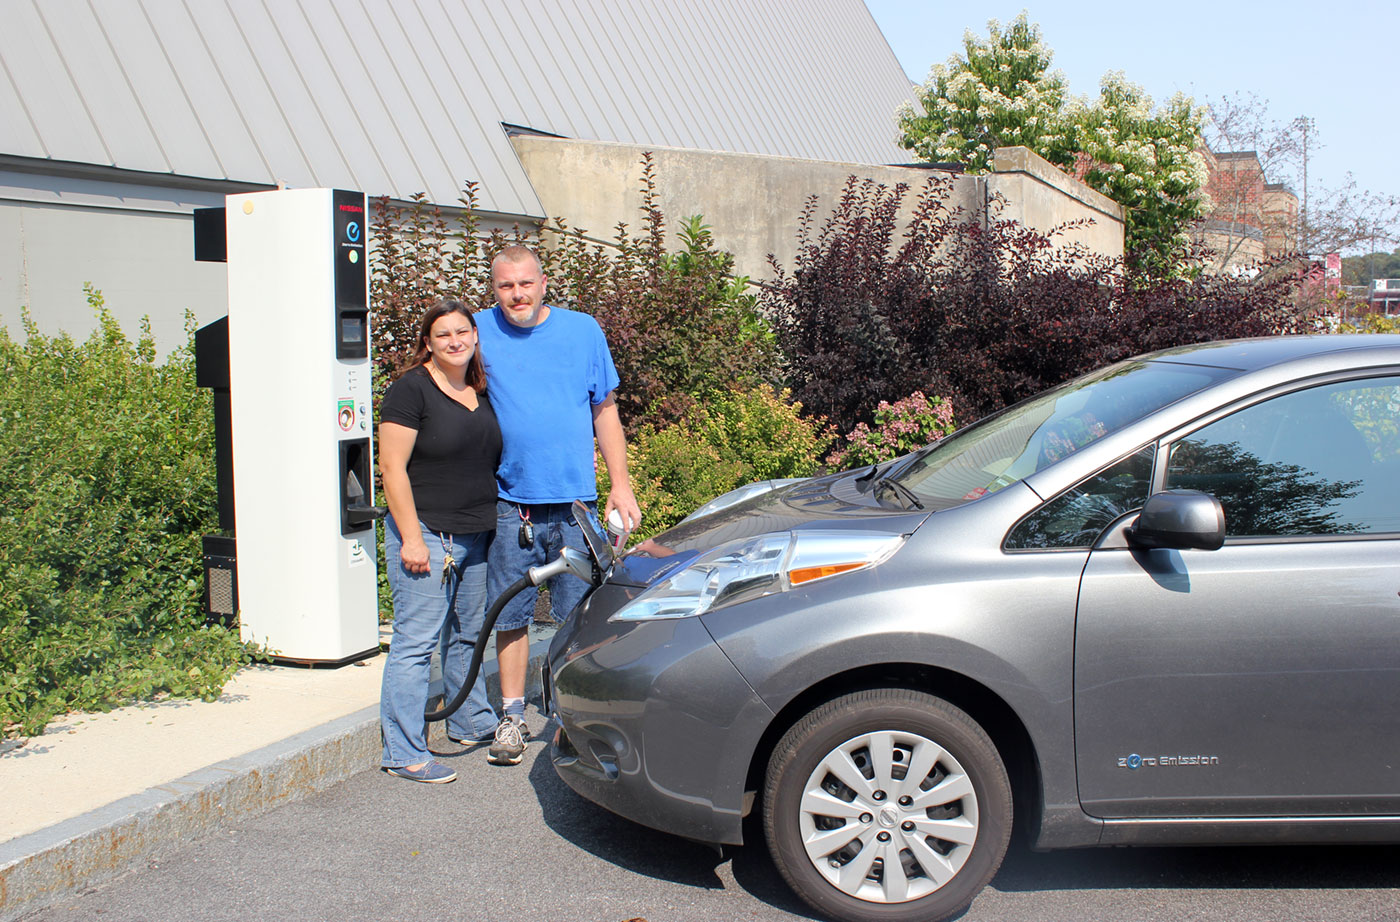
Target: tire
<point x="858" y="836"/>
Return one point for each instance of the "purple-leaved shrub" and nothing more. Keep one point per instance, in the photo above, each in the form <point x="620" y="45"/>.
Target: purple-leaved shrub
<point x="980" y="308"/>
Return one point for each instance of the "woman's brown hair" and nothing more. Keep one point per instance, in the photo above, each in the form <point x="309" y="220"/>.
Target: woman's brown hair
<point x="476" y="369"/>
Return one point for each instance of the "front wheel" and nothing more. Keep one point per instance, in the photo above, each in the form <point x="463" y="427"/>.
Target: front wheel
<point x="887" y="804"/>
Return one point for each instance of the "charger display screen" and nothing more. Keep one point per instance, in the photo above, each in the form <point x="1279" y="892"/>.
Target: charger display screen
<point x="352" y="329"/>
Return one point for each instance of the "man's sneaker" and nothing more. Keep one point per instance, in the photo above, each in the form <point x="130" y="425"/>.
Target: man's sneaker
<point x="509" y="746"/>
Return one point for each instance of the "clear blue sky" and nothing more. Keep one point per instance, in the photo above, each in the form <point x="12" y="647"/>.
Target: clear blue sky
<point x="1336" y="62"/>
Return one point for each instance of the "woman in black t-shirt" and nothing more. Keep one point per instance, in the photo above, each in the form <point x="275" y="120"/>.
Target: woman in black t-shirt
<point x="439" y="445"/>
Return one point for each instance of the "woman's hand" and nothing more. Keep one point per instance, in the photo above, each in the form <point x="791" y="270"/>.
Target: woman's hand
<point x="395" y="447"/>
<point x="414" y="553"/>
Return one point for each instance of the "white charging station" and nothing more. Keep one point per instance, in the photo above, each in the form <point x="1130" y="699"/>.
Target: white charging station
<point x="300" y="416"/>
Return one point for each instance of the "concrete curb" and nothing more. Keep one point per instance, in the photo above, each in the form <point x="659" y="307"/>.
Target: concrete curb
<point x="45" y="867"/>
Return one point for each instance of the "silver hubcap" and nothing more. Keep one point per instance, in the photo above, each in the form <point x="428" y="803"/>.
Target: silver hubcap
<point x="888" y="817"/>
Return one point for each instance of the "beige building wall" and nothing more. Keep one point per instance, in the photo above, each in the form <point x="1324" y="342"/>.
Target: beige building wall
<point x="753" y="202"/>
<point x="141" y="258"/>
<point x="1238" y="247"/>
<point x="142" y="261"/>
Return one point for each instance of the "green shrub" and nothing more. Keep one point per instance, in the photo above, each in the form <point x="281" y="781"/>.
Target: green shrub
<point x="674" y="472"/>
<point x="725" y="440"/>
<point x="900" y="427"/>
<point x="763" y="430"/>
<point x="679" y="324"/>
<point x="1371" y="323"/>
<point x="106" y="486"/>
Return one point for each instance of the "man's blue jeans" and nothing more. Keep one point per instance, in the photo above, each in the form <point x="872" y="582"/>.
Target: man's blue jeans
<point x="554" y="528"/>
<point x="424" y="618"/>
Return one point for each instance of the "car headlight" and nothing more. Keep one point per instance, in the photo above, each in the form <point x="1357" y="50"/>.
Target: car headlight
<point x="734" y="497"/>
<point x="755" y="567"/>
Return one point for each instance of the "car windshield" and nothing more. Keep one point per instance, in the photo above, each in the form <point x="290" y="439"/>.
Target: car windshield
<point x="1035" y="433"/>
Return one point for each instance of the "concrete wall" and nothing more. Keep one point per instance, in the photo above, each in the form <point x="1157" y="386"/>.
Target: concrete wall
<point x="753" y="203"/>
<point x="1040" y="195"/>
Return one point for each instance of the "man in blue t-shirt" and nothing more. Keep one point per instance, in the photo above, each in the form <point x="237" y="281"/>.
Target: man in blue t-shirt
<point x="551" y="380"/>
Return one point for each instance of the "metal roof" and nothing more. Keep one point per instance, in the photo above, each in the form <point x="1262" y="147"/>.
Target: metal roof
<point x="403" y="96"/>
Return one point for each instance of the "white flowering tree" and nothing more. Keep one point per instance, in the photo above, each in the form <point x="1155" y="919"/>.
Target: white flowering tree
<point x="1149" y="161"/>
<point x="1001" y="92"/>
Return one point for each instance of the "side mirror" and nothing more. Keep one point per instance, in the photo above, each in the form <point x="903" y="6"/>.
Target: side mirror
<point x="1180" y="519"/>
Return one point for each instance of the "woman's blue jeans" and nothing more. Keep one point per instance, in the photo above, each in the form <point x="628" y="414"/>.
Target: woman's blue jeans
<point x="424" y="618"/>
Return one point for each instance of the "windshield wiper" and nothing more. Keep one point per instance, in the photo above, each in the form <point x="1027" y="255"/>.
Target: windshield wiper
<point x="904" y="492"/>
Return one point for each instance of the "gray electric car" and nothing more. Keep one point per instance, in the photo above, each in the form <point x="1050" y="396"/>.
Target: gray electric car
<point x="1158" y="604"/>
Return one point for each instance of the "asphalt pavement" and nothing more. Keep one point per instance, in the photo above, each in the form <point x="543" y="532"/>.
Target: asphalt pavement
<point x="515" y="843"/>
<point x="97" y="794"/>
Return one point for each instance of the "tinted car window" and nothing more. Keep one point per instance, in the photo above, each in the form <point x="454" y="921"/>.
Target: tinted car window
<point x="1078" y="516"/>
<point x="1036" y="433"/>
<point x="1321" y="461"/>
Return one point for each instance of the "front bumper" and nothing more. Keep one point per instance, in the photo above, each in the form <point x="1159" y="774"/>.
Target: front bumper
<point x="656" y="724"/>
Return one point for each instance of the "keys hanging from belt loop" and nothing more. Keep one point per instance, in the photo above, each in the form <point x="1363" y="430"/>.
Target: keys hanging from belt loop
<point x="526" y="538"/>
<point x="447" y="562"/>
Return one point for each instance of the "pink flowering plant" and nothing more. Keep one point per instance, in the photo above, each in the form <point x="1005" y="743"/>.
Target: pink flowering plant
<point x="900" y="427"/>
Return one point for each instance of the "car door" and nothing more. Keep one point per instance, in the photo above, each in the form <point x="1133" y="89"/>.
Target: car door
<point x="1262" y="678"/>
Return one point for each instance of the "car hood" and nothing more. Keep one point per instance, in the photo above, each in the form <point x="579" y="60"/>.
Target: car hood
<point x="831" y="503"/>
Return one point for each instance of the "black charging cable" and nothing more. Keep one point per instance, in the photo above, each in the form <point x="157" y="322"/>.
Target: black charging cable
<point x="492" y="613"/>
<point x="569" y="560"/>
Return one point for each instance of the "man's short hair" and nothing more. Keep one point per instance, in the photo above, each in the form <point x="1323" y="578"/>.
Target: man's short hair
<point x="517" y="253"/>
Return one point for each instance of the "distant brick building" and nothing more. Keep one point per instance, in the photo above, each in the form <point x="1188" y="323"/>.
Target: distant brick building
<point x="1280" y="219"/>
<point x="1383" y="296"/>
<point x="1253" y="219"/>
